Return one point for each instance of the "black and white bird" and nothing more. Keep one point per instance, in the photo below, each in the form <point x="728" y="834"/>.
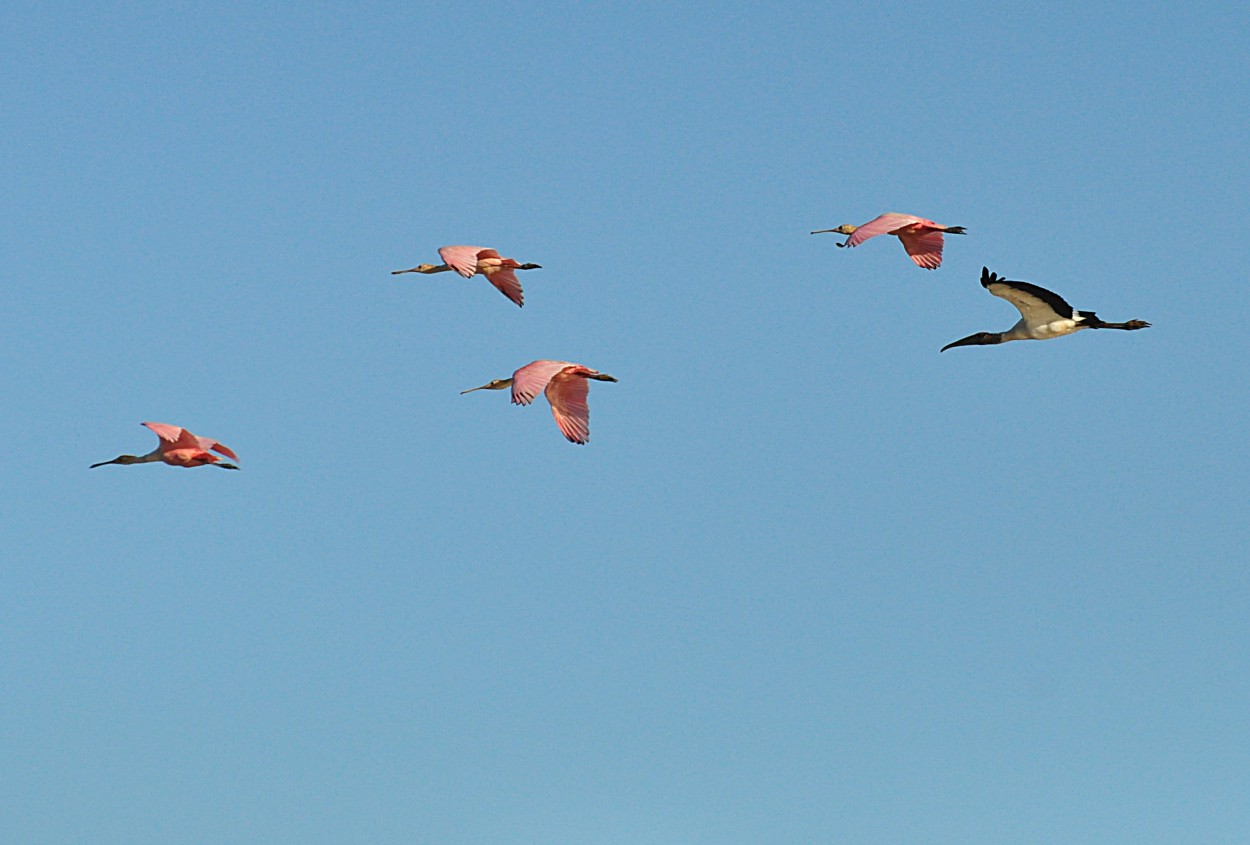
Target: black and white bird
<point x="1043" y="314"/>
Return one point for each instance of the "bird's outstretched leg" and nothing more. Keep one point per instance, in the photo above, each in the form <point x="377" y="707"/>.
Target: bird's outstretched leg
<point x="225" y="466"/>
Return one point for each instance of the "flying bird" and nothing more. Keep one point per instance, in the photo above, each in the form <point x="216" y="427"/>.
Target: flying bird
<point x="1043" y="314"/>
<point x="178" y="447"/>
<point x="471" y="260"/>
<point x="565" y="385"/>
<point x="921" y="238"/>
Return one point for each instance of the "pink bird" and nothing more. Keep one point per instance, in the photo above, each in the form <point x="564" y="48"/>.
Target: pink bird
<point x="565" y="386"/>
<point x="178" y="447"/>
<point x="921" y="238"/>
<point x="471" y="260"/>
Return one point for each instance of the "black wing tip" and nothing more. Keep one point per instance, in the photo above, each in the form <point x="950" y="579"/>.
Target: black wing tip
<point x="988" y="278"/>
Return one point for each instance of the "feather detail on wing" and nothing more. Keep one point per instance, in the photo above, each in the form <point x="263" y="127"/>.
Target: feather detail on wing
<point x="883" y="225"/>
<point x="532" y="379"/>
<point x="567" y="394"/>
<point x="462" y="259"/>
<point x="207" y="443"/>
<point x="505" y="280"/>
<point x="924" y="247"/>
<point x="168" y="433"/>
<point x="1037" y="305"/>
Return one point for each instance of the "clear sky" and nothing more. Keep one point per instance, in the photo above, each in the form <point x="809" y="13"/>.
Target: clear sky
<point x="811" y="581"/>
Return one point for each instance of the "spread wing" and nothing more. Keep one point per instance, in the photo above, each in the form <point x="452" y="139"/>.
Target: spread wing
<point x="924" y="247"/>
<point x="207" y="443"/>
<point x="532" y="379"/>
<point x="462" y="259"/>
<point x="883" y="225"/>
<point x="172" y="434"/>
<point x="1037" y="305"/>
<point x="567" y="394"/>
<point x="505" y="280"/>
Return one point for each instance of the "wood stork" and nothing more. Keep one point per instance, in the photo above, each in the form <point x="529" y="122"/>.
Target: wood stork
<point x="1043" y="314"/>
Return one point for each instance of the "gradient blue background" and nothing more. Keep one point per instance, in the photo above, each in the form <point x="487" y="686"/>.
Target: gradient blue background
<point x="810" y="581"/>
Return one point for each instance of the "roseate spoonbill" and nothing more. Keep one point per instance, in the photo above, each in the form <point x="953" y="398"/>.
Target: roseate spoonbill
<point x="178" y="447"/>
<point x="921" y="238"/>
<point x="564" y="384"/>
<point x="1043" y="314"/>
<point x="470" y="260"/>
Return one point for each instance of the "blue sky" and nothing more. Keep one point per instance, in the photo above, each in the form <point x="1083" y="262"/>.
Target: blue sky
<point x="810" y="581"/>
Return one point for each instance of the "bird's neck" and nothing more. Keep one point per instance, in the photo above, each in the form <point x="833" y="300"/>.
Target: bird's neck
<point x="150" y="457"/>
<point x="1020" y="331"/>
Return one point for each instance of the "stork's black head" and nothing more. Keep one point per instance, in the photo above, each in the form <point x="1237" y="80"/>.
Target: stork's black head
<point x="978" y="339"/>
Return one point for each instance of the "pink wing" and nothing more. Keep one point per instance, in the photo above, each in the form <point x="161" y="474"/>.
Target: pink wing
<point x="499" y="272"/>
<point x="175" y="439"/>
<point x="567" y="394"/>
<point x="168" y="433"/>
<point x="532" y="379"/>
<point x="883" y="225"/>
<point x="462" y="259"/>
<point x="924" y="247"/>
<point x="508" y="284"/>
<point x="207" y="443"/>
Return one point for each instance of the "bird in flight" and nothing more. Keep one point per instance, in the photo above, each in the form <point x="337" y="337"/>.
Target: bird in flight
<point x="180" y="448"/>
<point x="1043" y="314"/>
<point x="921" y="238"/>
<point x="565" y="385"/>
<point x="471" y="260"/>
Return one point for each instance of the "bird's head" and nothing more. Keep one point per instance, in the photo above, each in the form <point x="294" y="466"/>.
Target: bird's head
<point x="601" y="377"/>
<point x="978" y="339"/>
<point x="844" y="229"/>
<point x="497" y="384"/>
<point x="120" y="459"/>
